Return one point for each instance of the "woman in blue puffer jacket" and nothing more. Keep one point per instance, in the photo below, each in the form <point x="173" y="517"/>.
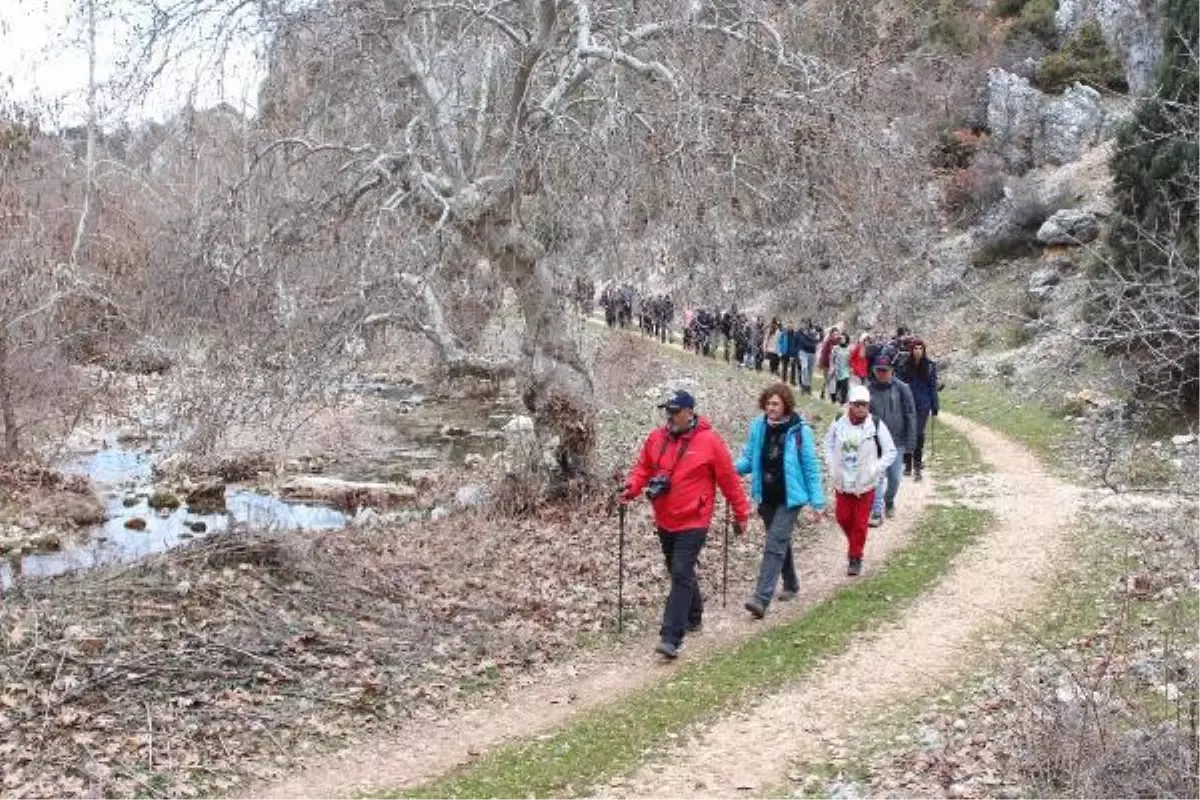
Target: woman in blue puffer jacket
<point x="785" y="479"/>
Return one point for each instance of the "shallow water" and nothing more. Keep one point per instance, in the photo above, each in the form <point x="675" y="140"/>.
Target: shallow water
<point x="121" y="471"/>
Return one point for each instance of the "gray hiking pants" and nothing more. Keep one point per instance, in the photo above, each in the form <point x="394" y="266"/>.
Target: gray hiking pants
<point x="777" y="552"/>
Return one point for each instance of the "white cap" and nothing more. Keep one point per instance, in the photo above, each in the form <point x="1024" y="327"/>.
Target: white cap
<point x="860" y="394"/>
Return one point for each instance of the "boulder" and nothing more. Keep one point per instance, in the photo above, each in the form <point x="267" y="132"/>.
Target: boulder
<point x="1069" y="226"/>
<point x="1070" y="124"/>
<point x="207" y="497"/>
<point x="1014" y="107"/>
<point x="1042" y="281"/>
<point x="1032" y="128"/>
<point x="347" y="494"/>
<point x="81" y="509"/>
<point x="135" y="524"/>
<point x="163" y="500"/>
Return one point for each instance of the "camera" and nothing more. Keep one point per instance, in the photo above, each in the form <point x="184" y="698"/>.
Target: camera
<point x="658" y="486"/>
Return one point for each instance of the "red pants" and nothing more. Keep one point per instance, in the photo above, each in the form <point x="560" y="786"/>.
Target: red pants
<point x="853" y="512"/>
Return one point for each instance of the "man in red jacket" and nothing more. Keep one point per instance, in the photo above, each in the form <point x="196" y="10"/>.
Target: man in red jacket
<point x="680" y="466"/>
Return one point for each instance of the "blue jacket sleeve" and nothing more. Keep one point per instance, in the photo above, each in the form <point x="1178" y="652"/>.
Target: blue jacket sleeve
<point x="745" y="461"/>
<point x="810" y="467"/>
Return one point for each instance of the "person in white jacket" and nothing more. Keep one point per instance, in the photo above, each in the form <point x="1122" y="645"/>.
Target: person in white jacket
<point x="858" y="448"/>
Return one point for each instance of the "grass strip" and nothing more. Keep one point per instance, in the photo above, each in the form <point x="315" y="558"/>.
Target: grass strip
<point x="1036" y="427"/>
<point x="609" y="741"/>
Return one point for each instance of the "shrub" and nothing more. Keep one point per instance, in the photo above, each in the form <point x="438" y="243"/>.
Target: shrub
<point x="1085" y="59"/>
<point x="1145" y="303"/>
<point x="952" y="27"/>
<point x="966" y="193"/>
<point x="1034" y="18"/>
<point x="1008" y="245"/>
<point x="956" y="148"/>
<point x="1007" y="8"/>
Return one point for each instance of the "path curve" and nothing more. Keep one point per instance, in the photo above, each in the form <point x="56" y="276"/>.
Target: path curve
<point x="425" y="748"/>
<point x="1006" y="573"/>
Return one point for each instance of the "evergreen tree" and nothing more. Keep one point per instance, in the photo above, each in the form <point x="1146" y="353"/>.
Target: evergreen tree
<point x="1146" y="294"/>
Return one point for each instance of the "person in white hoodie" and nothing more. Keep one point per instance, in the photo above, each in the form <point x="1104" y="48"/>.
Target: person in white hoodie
<point x="858" y="448"/>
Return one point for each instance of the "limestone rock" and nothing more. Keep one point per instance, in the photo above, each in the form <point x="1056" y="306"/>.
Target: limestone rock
<point x="1042" y="281"/>
<point x="207" y="498"/>
<point x="347" y="494"/>
<point x="1033" y="128"/>
<point x="1069" y="226"/>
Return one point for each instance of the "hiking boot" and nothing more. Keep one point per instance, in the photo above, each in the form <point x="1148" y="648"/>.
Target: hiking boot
<point x="785" y="595"/>
<point x="667" y="650"/>
<point x="917" y="474"/>
<point x="890" y="512"/>
<point x="695" y="627"/>
<point x="875" y="521"/>
<point x="907" y="470"/>
<point x="756" y="608"/>
<point x="854" y="567"/>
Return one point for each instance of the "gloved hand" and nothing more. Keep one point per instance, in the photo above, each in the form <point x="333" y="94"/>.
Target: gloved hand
<point x="934" y="412"/>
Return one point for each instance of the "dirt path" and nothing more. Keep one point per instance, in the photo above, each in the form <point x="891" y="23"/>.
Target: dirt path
<point x="426" y="748"/>
<point x="749" y="752"/>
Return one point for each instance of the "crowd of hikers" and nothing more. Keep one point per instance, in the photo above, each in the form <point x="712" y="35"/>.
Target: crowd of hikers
<point x="887" y="388"/>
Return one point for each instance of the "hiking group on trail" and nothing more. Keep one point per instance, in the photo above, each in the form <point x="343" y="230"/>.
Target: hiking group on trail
<point x="889" y="390"/>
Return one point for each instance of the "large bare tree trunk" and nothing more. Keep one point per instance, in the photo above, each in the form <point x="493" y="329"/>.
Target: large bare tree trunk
<point x="554" y="381"/>
<point x="11" y="442"/>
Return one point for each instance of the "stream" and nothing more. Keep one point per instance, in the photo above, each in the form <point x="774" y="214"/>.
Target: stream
<point x="123" y="479"/>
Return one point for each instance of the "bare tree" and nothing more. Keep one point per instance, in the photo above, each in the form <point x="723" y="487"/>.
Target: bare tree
<point x="411" y="147"/>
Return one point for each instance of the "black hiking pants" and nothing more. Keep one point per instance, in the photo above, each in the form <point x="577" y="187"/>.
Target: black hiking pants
<point x="916" y="459"/>
<point x="685" y="604"/>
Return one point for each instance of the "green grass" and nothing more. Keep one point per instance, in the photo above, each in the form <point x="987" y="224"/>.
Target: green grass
<point x="1038" y="428"/>
<point x="950" y="454"/>
<point x="609" y="741"/>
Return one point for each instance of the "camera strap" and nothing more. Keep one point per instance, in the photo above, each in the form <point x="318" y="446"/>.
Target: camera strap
<point x="679" y="454"/>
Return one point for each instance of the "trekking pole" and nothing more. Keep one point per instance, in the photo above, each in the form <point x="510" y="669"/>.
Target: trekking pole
<point x="620" y="567"/>
<point x="725" y="558"/>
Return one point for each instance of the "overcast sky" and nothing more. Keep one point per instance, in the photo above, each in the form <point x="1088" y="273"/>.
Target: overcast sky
<point x="43" y="63"/>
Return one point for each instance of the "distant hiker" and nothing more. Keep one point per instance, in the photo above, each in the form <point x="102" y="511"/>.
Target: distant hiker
<point x="783" y="344"/>
<point x="757" y="337"/>
<point x="771" y="346"/>
<point x="859" y="364"/>
<point x="680" y="467"/>
<point x="858" y="449"/>
<point x="839" y="369"/>
<point x="792" y="376"/>
<point x="892" y="402"/>
<point x="921" y="376"/>
<point x="785" y="479"/>
<point x="809" y="341"/>
<point x="829" y="385"/>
